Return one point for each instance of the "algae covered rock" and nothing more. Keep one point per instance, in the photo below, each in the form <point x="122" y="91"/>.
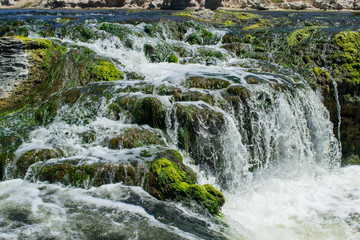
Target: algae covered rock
<point x="167" y="180"/>
<point x="165" y="177"/>
<point x="135" y="137"/>
<point x="206" y="83"/>
<point x="347" y="59"/>
<point x="81" y="174"/>
<point x="37" y="155"/>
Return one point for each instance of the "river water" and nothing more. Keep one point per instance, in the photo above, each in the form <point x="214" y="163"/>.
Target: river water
<point x="274" y="154"/>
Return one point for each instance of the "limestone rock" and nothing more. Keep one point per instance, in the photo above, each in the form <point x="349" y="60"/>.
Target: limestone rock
<point x="13" y="66"/>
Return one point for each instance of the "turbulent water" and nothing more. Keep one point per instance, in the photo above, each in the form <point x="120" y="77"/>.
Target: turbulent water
<point x="273" y="154"/>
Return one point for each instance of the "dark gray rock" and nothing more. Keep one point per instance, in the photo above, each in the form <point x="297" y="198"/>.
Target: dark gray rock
<point x="14" y="65"/>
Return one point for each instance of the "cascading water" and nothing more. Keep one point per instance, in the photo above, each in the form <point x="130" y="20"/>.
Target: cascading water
<point x="264" y="139"/>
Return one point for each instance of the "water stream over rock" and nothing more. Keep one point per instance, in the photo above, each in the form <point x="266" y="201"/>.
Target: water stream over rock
<point x="87" y="154"/>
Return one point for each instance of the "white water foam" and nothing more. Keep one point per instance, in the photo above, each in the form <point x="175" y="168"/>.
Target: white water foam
<point x="324" y="207"/>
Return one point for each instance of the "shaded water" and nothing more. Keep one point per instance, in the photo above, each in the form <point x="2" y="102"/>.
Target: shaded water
<point x="271" y="151"/>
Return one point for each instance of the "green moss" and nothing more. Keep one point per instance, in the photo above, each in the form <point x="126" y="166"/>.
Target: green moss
<point x="34" y="43"/>
<point x="216" y="193"/>
<point x="206" y="83"/>
<point x="228" y="23"/>
<point x="249" y="38"/>
<point x="75" y="173"/>
<point x="348" y="58"/>
<point x="135" y="137"/>
<point x="299" y="36"/>
<point x="173" y="59"/>
<point x="174" y="183"/>
<point x="161" y="52"/>
<point x="347" y="40"/>
<point x="187" y="14"/>
<point x="149" y="110"/>
<point x="184" y="14"/>
<point x="106" y="71"/>
<point x="240" y="91"/>
<point x="261" y="24"/>
<point x="62" y="20"/>
<point x="203" y="197"/>
<point x="33" y="156"/>
<point x="321" y="74"/>
<point x="207" y="34"/>
<point x="167" y="172"/>
<point x="194" y="39"/>
<point x="238" y="15"/>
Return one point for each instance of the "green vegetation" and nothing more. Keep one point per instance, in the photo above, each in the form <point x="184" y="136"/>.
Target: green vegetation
<point x="237" y="15"/>
<point x="173" y="59"/>
<point x="106" y="71"/>
<point x="184" y="14"/>
<point x="135" y="137"/>
<point x="261" y="24"/>
<point x="299" y="36"/>
<point x="347" y="58"/>
<point x="33" y="156"/>
<point x="321" y="74"/>
<point x="174" y="183"/>
<point x="34" y="43"/>
<point x="187" y="14"/>
<point x="206" y="83"/>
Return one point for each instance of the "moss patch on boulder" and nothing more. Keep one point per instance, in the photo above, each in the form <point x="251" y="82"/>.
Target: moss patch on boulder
<point x="347" y="59"/>
<point x="206" y="83"/>
<point x="37" y="155"/>
<point x="167" y="181"/>
<point x="299" y="36"/>
<point x="75" y="173"/>
<point x="106" y="71"/>
<point x="135" y="137"/>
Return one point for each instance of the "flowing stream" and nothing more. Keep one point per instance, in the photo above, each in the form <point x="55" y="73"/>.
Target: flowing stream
<point x="270" y="149"/>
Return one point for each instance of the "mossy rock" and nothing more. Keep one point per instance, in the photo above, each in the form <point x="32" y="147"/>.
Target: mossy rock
<point x="173" y="59"/>
<point x="233" y="17"/>
<point x="239" y="91"/>
<point x="300" y="35"/>
<point x="44" y="57"/>
<point x="75" y="173"/>
<point x="167" y="181"/>
<point x="203" y="37"/>
<point x="136" y="137"/>
<point x="347" y="60"/>
<point x="192" y="119"/>
<point x="145" y="110"/>
<point x="321" y="75"/>
<point x="35" y="43"/>
<point x="192" y="96"/>
<point x="106" y="71"/>
<point x="260" y="24"/>
<point x="206" y="83"/>
<point x="37" y="155"/>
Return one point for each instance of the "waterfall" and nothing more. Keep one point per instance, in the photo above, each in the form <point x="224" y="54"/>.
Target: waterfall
<point x="264" y="139"/>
